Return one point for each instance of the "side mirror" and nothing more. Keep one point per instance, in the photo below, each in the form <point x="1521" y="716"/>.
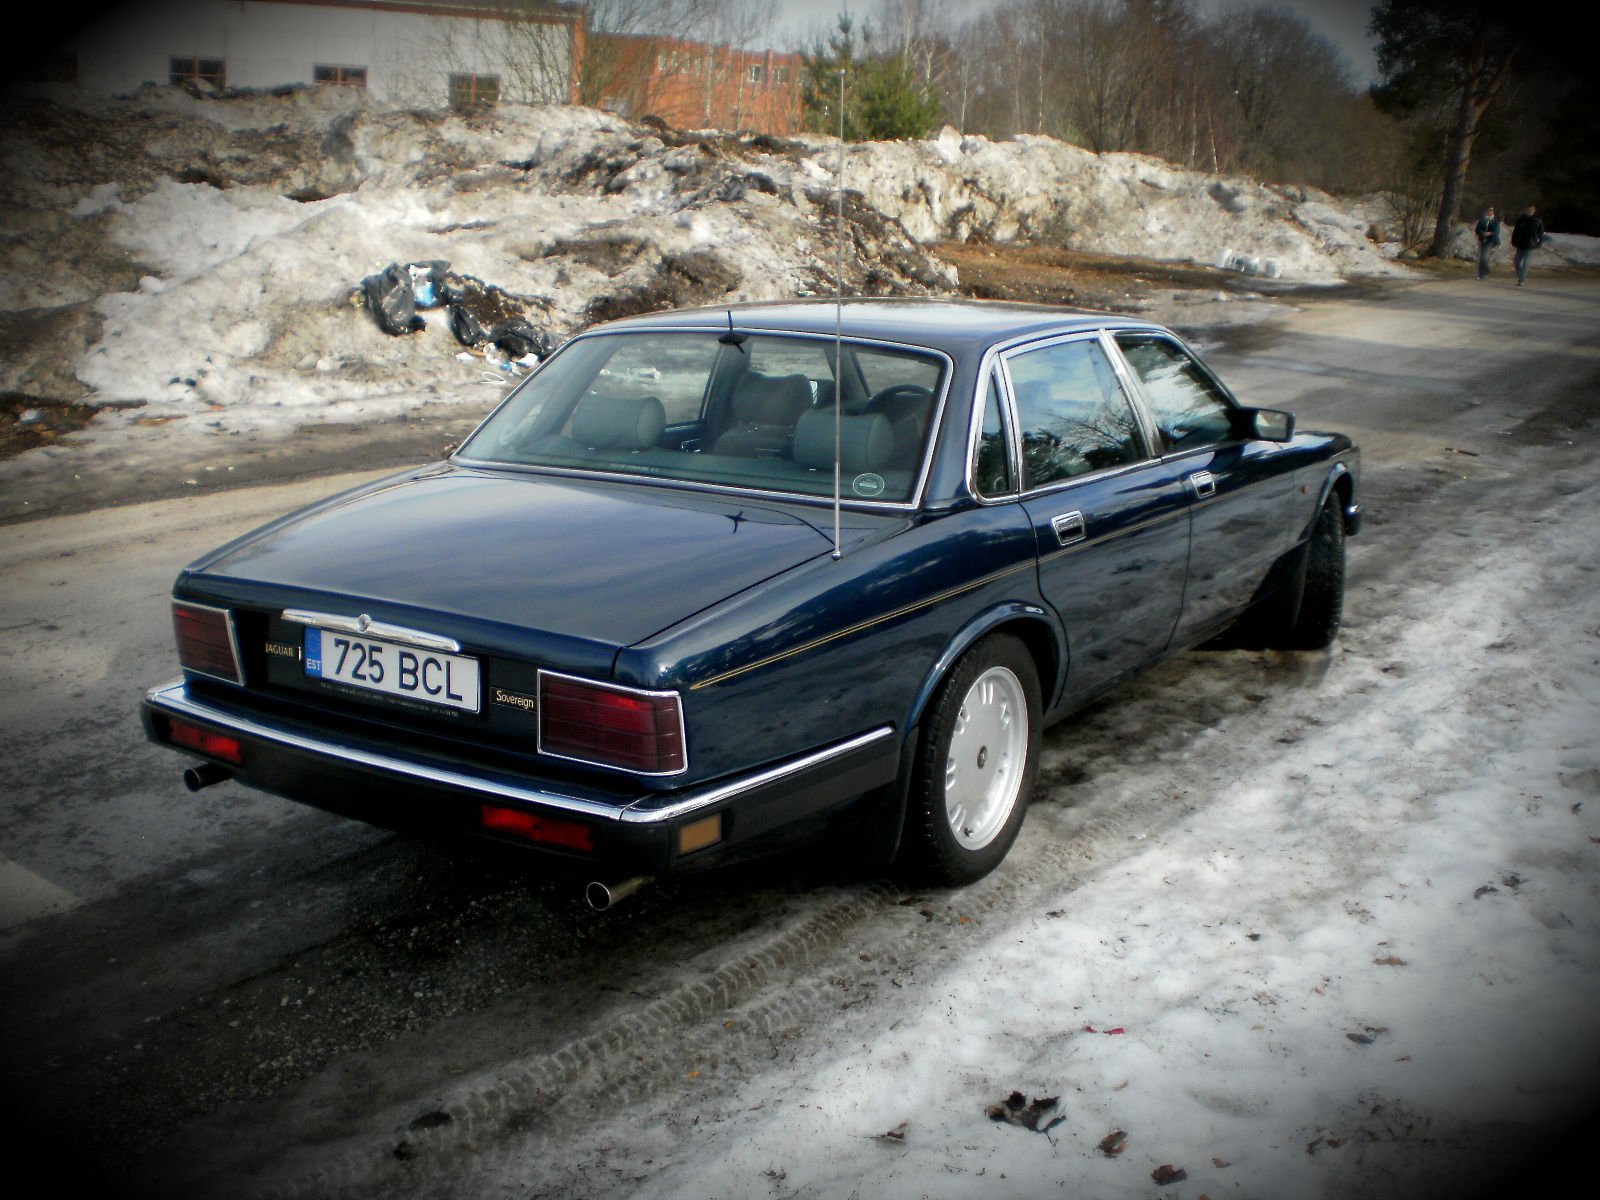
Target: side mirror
<point x="1267" y="424"/>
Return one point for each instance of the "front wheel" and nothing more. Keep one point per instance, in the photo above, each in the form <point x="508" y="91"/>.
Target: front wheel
<point x="1322" y="602"/>
<point x="975" y="764"/>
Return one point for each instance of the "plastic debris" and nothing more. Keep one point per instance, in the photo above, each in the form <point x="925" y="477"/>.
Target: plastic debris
<point x="465" y="326"/>
<point x="428" y="283"/>
<point x="393" y="304"/>
<point x="518" y="338"/>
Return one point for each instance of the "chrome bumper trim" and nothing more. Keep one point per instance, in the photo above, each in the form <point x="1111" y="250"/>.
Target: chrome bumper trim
<point x="173" y="699"/>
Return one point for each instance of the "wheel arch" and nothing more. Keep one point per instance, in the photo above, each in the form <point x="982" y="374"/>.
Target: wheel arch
<point x="1340" y="482"/>
<point x="1030" y="623"/>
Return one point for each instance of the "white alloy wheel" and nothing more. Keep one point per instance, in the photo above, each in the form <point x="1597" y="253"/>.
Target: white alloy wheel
<point x="987" y="759"/>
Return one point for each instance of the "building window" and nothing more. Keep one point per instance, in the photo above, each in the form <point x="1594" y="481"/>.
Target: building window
<point x="474" y="91"/>
<point x="349" y="76"/>
<point x="757" y="72"/>
<point x="199" y="70"/>
<point x="60" y="67"/>
<point x="780" y="74"/>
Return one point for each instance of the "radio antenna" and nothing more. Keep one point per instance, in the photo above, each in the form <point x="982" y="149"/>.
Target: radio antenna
<point x="838" y="336"/>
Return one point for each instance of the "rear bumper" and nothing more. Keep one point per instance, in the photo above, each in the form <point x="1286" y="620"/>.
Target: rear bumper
<point x="635" y="832"/>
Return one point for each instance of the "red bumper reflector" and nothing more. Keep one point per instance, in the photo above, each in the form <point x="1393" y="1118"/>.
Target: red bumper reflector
<point x="530" y="827"/>
<point x="203" y="741"/>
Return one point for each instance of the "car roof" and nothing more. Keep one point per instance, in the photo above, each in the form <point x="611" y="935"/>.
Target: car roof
<point x="914" y="321"/>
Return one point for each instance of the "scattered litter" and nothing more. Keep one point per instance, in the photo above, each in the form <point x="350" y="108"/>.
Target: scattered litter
<point x="1468" y="453"/>
<point x="1114" y="1143"/>
<point x="1016" y="1109"/>
<point x="1167" y="1173"/>
<point x="1219" y="1163"/>
<point x="1108" y="1032"/>
<point x="1332" y="1143"/>
<point x="896" y="1135"/>
<point x="1389" y="960"/>
<point x="1486" y="890"/>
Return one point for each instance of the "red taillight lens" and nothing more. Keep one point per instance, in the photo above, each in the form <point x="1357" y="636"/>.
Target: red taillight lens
<point x="205" y="640"/>
<point x="530" y="827"/>
<point x="203" y="741"/>
<point x="610" y="726"/>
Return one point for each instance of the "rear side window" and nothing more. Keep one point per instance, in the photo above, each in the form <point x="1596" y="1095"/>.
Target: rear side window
<point x="991" y="465"/>
<point x="1071" y="412"/>
<point x="1188" y="407"/>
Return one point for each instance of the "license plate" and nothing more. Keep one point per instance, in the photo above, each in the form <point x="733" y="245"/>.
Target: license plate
<point x="393" y="670"/>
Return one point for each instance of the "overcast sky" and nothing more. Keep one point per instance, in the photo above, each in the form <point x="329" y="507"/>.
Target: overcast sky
<point x="1342" y="22"/>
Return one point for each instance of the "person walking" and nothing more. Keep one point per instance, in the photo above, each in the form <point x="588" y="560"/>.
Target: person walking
<point x="1488" y="233"/>
<point x="1527" y="235"/>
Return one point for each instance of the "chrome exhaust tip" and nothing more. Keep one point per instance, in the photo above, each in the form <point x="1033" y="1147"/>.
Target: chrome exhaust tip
<point x="602" y="896"/>
<point x="205" y="775"/>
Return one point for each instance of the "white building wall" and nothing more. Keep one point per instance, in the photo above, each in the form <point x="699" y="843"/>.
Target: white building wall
<point x="408" y="56"/>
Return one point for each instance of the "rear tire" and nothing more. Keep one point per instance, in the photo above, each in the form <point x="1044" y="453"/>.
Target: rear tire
<point x="975" y="766"/>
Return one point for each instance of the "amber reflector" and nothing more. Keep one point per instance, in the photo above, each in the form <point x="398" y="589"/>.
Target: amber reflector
<point x="697" y="835"/>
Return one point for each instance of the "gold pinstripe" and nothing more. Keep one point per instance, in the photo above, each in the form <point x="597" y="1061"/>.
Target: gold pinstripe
<point x="862" y="625"/>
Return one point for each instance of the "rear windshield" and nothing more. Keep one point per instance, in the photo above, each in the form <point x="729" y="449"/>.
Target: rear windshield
<point x="760" y="413"/>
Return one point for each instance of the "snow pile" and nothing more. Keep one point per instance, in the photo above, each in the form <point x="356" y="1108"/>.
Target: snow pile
<point x="197" y="260"/>
<point x="1037" y="188"/>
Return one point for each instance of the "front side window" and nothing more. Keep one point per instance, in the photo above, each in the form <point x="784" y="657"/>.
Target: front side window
<point x="756" y="413"/>
<point x="1189" y="408"/>
<point x="1071" y="412"/>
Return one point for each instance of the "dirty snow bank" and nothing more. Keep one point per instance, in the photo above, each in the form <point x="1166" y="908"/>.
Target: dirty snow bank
<point x="193" y="263"/>
<point x="1037" y="188"/>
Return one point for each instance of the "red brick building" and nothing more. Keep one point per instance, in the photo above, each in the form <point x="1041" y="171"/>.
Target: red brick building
<point x="691" y="85"/>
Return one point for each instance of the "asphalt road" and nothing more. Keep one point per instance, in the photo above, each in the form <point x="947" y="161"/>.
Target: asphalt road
<point x="209" y="994"/>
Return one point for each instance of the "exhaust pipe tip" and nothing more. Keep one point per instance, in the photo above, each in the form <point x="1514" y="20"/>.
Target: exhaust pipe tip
<point x="602" y="896"/>
<point x="205" y="775"/>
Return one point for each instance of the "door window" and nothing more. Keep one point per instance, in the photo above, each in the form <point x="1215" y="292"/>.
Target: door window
<point x="1072" y="413"/>
<point x="1189" y="408"/>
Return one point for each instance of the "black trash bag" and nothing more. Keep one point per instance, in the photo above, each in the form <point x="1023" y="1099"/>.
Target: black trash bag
<point x="519" y="339"/>
<point x="428" y="282"/>
<point x="465" y="326"/>
<point x="392" y="301"/>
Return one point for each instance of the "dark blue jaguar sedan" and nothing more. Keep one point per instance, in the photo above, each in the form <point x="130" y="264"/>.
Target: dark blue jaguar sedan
<point x="715" y="577"/>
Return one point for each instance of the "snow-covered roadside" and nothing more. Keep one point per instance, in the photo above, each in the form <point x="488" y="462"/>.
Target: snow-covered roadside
<point x="1344" y="973"/>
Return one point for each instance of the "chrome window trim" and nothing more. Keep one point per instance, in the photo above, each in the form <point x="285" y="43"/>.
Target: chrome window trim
<point x="677" y="700"/>
<point x="233" y="641"/>
<point x="173" y="699"/>
<point x="365" y="626"/>
<point x="912" y="503"/>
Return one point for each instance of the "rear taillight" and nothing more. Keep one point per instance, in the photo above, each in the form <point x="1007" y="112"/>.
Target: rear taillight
<point x="611" y="726"/>
<point x="206" y="643"/>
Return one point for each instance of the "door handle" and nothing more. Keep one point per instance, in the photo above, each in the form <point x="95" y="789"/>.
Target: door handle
<point x="1204" y="484"/>
<point x="1070" y="528"/>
